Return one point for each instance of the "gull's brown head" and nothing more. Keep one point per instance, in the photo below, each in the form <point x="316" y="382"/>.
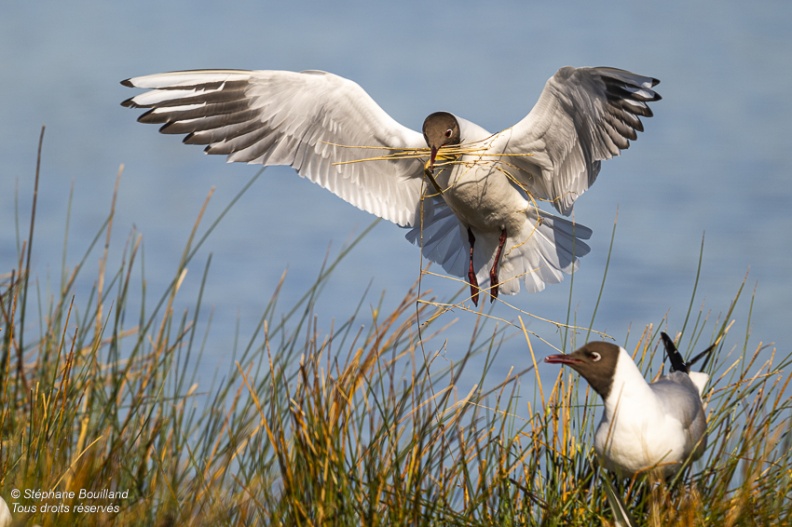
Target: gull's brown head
<point x="596" y="362"/>
<point x="440" y="129"/>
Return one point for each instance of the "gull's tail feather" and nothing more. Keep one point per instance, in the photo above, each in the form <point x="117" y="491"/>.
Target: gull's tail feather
<point x="540" y="254"/>
<point x="546" y="247"/>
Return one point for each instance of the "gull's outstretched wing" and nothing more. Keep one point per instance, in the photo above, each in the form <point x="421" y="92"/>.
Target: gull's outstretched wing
<point x="583" y="116"/>
<point x="306" y="120"/>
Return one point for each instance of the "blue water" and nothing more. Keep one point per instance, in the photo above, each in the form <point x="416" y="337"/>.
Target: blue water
<point x="714" y="162"/>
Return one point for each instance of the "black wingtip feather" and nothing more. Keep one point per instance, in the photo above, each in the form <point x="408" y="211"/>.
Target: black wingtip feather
<point x="150" y="117"/>
<point x="677" y="362"/>
<point x="127" y="83"/>
<point x="672" y="352"/>
<point x="706" y="354"/>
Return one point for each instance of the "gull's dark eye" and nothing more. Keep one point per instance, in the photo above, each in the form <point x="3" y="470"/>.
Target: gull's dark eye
<point x="595" y="356"/>
<point x="449" y="133"/>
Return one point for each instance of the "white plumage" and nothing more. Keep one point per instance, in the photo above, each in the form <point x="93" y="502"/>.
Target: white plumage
<point x="645" y="426"/>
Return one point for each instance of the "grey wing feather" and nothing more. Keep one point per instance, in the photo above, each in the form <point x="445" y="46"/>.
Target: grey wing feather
<point x="313" y="121"/>
<point x="681" y="400"/>
<point x="583" y="116"/>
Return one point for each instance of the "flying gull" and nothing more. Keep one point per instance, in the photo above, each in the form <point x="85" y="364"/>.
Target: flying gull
<point x="468" y="196"/>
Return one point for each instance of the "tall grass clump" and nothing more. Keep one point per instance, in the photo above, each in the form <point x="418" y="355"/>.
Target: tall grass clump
<point x="373" y="422"/>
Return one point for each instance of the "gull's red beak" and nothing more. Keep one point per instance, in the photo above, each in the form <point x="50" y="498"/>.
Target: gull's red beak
<point x="433" y="156"/>
<point x="561" y="359"/>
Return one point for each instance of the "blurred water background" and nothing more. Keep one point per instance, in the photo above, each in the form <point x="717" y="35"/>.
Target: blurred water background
<point x="714" y="162"/>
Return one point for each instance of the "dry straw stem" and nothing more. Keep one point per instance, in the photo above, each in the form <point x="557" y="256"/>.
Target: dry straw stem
<point x="471" y="154"/>
<point x="478" y="149"/>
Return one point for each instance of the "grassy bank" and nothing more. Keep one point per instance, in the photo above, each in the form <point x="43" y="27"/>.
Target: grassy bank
<point x="361" y="425"/>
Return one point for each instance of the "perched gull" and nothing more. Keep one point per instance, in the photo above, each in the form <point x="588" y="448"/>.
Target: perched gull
<point x="469" y="196"/>
<point x="644" y="426"/>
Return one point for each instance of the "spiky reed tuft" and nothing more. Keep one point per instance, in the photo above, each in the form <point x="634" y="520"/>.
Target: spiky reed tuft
<point x="367" y="424"/>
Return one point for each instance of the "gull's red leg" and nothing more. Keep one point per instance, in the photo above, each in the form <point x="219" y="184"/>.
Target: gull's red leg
<point x="494" y="270"/>
<point x="474" y="289"/>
